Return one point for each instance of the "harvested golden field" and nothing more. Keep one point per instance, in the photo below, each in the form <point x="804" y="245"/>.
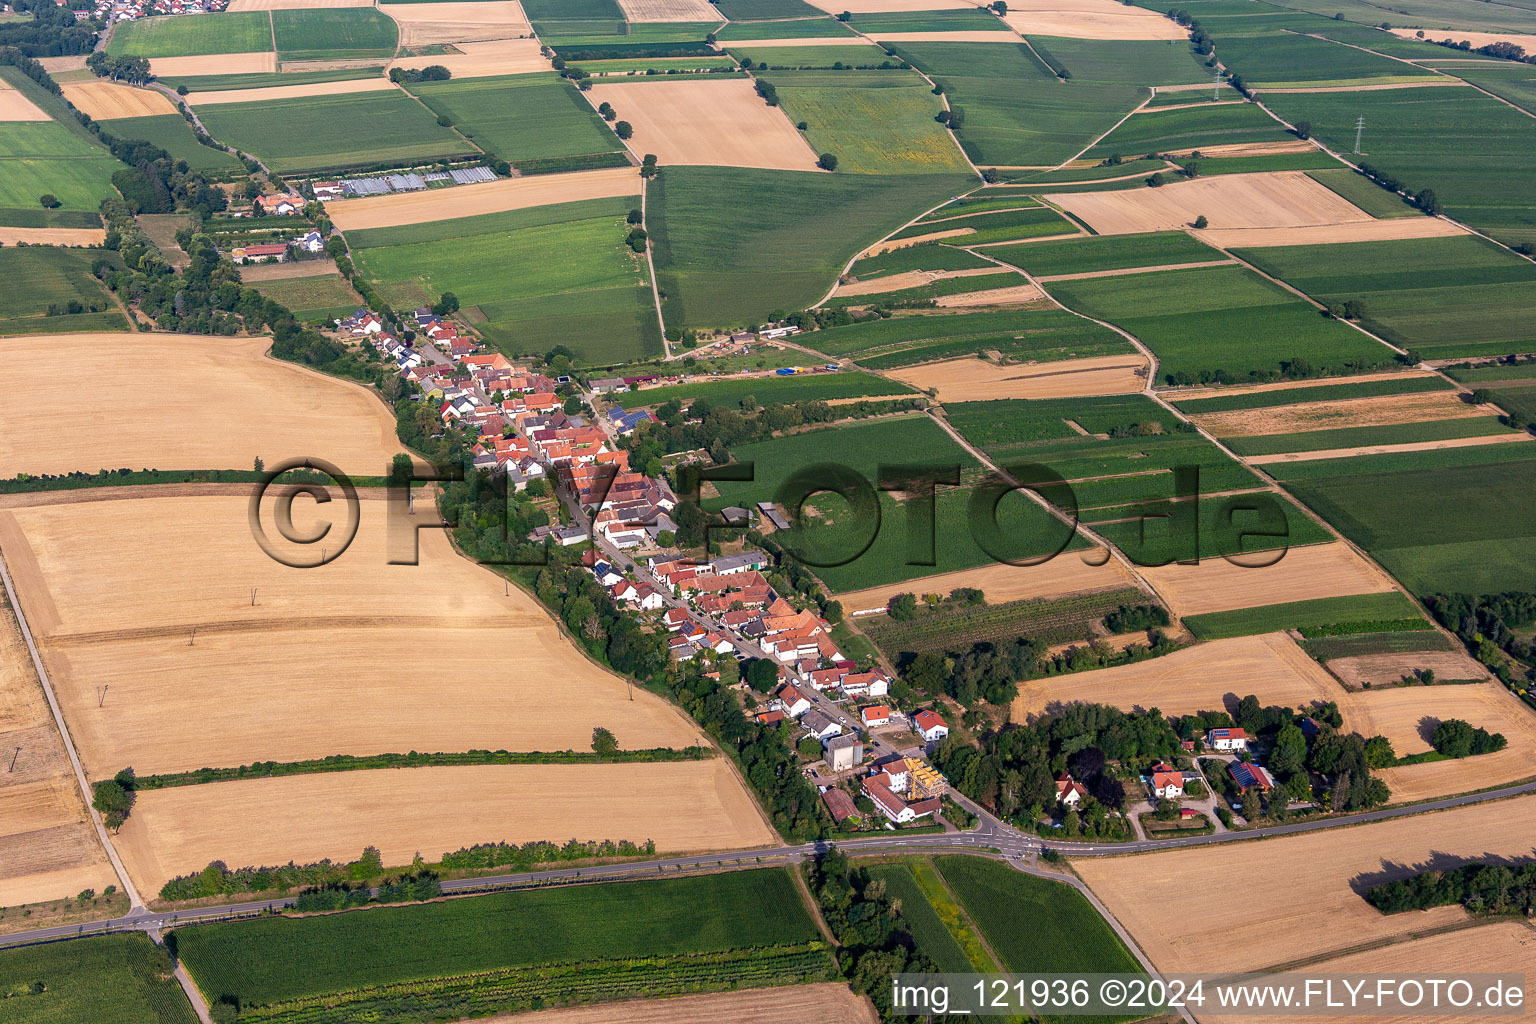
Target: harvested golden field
<point x="1206" y="677"/>
<point x="51" y="236"/>
<point x="1128" y="271"/>
<point x="284" y="271"/>
<point x="669" y="10"/>
<point x="214" y="64"/>
<point x="1274" y="199"/>
<point x="1090" y="19"/>
<point x="974" y="380"/>
<point x="1316" y="876"/>
<point x="1353" y="412"/>
<point x="1421" y="83"/>
<point x="55" y="64"/>
<point x="721" y="123"/>
<point x="1475" y="38"/>
<point x="321" y="664"/>
<point x="902" y="243"/>
<point x="1387" y="669"/>
<point x="106" y="100"/>
<point x="478" y="200"/>
<point x="1232" y="149"/>
<point x="1387" y="449"/>
<point x="243" y="406"/>
<point x="825" y="1003"/>
<point x="293" y="5"/>
<point x="422" y="24"/>
<point x="682" y="806"/>
<point x="743" y="44"/>
<point x="1390" y="229"/>
<point x="993" y="297"/>
<point x="1500" y="947"/>
<point x="884" y="6"/>
<point x="16" y="107"/>
<point x="48" y="846"/>
<point x="1065" y="574"/>
<point x="288" y="92"/>
<point x="485" y="59"/>
<point x="1304" y="573"/>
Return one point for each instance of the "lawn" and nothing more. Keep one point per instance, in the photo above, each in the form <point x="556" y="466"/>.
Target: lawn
<point x="267" y="961"/>
<point x="323" y="295"/>
<point x="1036" y="926"/>
<point x="805" y="387"/>
<point x="1039" y="334"/>
<point x="37" y="277"/>
<point x="1112" y="252"/>
<point x="798" y="28"/>
<point x="783" y="58"/>
<point x="172" y="133"/>
<point x="874" y="122"/>
<point x="118" y="979"/>
<point x="1220" y="321"/>
<point x="1324" y="611"/>
<point x="1444" y="296"/>
<point x="185" y="36"/>
<point x="1015" y="111"/>
<point x="334" y="132"/>
<point x="1161" y="131"/>
<point x="733" y="246"/>
<point x="521" y="117"/>
<point x="334" y="33"/>
<point x="529" y="280"/>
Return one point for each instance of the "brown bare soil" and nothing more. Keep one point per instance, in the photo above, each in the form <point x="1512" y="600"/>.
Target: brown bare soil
<point x="1304" y="573"/>
<point x="106" y="100"/>
<point x="1193" y="395"/>
<point x="332" y="653"/>
<point x="682" y="806"/>
<point x="991" y="297"/>
<point x="720" y="123"/>
<point x="291" y="5"/>
<point x="16" y="107"/>
<point x="1388" y="449"/>
<point x="1211" y="676"/>
<point x="1317" y="909"/>
<point x="1502" y="947"/>
<point x="477" y="200"/>
<point x="285" y="271"/>
<point x="485" y="59"/>
<point x="1127" y="271"/>
<point x="243" y="406"/>
<point x="51" y="236"/>
<point x="977" y="380"/>
<point x="214" y="64"/>
<point x="1277" y="199"/>
<point x="669" y="10"/>
<point x="425" y="24"/>
<point x="1328" y="234"/>
<point x="910" y="279"/>
<point x="1354" y="412"/>
<point x="1065" y="574"/>
<point x="48" y="846"/>
<point x="285" y="92"/>
<point x="825" y="1003"/>
<point x="1090" y="19"/>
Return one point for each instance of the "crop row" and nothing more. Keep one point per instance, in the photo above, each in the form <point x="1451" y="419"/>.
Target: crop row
<point x="524" y="988"/>
<point x="1049" y="621"/>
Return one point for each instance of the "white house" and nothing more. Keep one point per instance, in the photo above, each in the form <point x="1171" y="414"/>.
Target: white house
<point x="792" y="702"/>
<point x="1069" y="792"/>
<point x="875" y="714"/>
<point x="1167" y="782"/>
<point x="606" y="574"/>
<point x="1226" y="739"/>
<point x="929" y="726"/>
<point x="820" y="725"/>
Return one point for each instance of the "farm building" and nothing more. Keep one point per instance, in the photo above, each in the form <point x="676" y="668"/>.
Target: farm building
<point x="1251" y="776"/>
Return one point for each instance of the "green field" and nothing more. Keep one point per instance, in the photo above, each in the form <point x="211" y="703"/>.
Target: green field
<point x="997" y="226"/>
<point x="947" y="628"/>
<point x="983" y="200"/>
<point x="1442" y="296"/>
<point x="555" y="275"/>
<point x="1073" y="176"/>
<point x="58" y="158"/>
<point x="1124" y="62"/>
<point x="521" y="117"/>
<point x="874" y="122"/>
<point x="1492" y="372"/>
<point x="806" y="387"/>
<point x="270" y="961"/>
<point x="1365" y="193"/>
<point x="1220" y="320"/>
<point x="1015" y="111"/>
<point x="1039" y="334"/>
<point x="317" y="133"/>
<point x="1278" y="59"/>
<point x="732" y="246"/>
<point x="928" y="256"/>
<point x="217" y="83"/>
<point x="1428" y="14"/>
<point x="118" y="979"/>
<point x="798" y="28"/>
<point x="921" y="293"/>
<point x="172" y="133"/>
<point x="573" y="10"/>
<point x="311" y="297"/>
<point x="37" y="277"/>
<point x="1323" y="611"/>
<point x="933" y="937"/>
<point x="1161" y="131"/>
<point x="1393" y="385"/>
<point x="782" y="58"/>
<point x="757" y="10"/>
<point x="1360" y="437"/>
<point x="1459" y="524"/>
<point x="334" y="33"/>
<point x="659" y="65"/>
<point x="928" y="21"/>
<point x="227" y="32"/>
<point x="1111" y="252"/>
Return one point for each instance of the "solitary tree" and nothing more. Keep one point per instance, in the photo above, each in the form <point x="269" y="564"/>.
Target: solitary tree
<point x="603" y="742"/>
<point x="827" y="162"/>
<point x="1303" y="129"/>
<point x="1201" y="222"/>
<point x="624" y="129"/>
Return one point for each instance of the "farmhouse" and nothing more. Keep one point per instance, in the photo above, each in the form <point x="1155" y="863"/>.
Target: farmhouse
<point x="1226" y="739"/>
<point x="1167" y="782"/>
<point x="276" y="251"/>
<point x="280" y="206"/>
<point x="1251" y="776"/>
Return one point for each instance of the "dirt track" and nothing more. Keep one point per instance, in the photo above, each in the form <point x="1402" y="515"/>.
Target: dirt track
<point x="1193" y="395"/>
<point x="910" y="279"/>
<point x="687" y="806"/>
<point x="720" y="123"/>
<point x="288" y="92"/>
<point x="1277" y="199"/>
<point x="477" y="200"/>
<point x="1128" y="271"/>
<point x="824" y="1003"/>
<point x="1304" y="573"/>
<point x="977" y="380"/>
<point x="991" y="297"/>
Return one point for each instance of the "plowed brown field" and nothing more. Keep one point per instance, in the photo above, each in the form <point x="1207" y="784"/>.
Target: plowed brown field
<point x="1331" y="234"/>
<point x="975" y="380"/>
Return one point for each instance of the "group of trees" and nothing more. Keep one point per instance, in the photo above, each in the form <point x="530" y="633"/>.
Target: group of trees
<point x="114" y="798"/>
<point x="1481" y="888"/>
<point x="51" y="32"/>
<point x="1487" y="624"/>
<point x="134" y="70"/>
<point x="430" y="73"/>
<point x="1455" y="737"/>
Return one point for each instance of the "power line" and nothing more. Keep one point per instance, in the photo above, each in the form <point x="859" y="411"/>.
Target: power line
<point x="1359" y="127"/>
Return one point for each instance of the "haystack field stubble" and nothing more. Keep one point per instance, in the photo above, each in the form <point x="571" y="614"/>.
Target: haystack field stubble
<point x="721" y="123"/>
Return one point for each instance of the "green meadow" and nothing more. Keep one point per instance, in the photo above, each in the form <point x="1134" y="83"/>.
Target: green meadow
<point x="995" y="226"/>
<point x="172" y="133"/>
<point x="212" y="83"/>
<point x="1323" y="611"/>
<point x="1037" y="334"/>
<point x="322" y="295"/>
<point x="521" y="117"/>
<point x="801" y="387"/>
<point x="1160" y="131"/>
<point x="1108" y="252"/>
<point x="796" y="28"/>
<point x="783" y="58"/>
<point x="928" y="256"/>
<point x="228" y="32"/>
<point x="45" y="157"/>
<point x="1365" y="193"/>
<point x="334" y="33"/>
<point x="37" y="277"/>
